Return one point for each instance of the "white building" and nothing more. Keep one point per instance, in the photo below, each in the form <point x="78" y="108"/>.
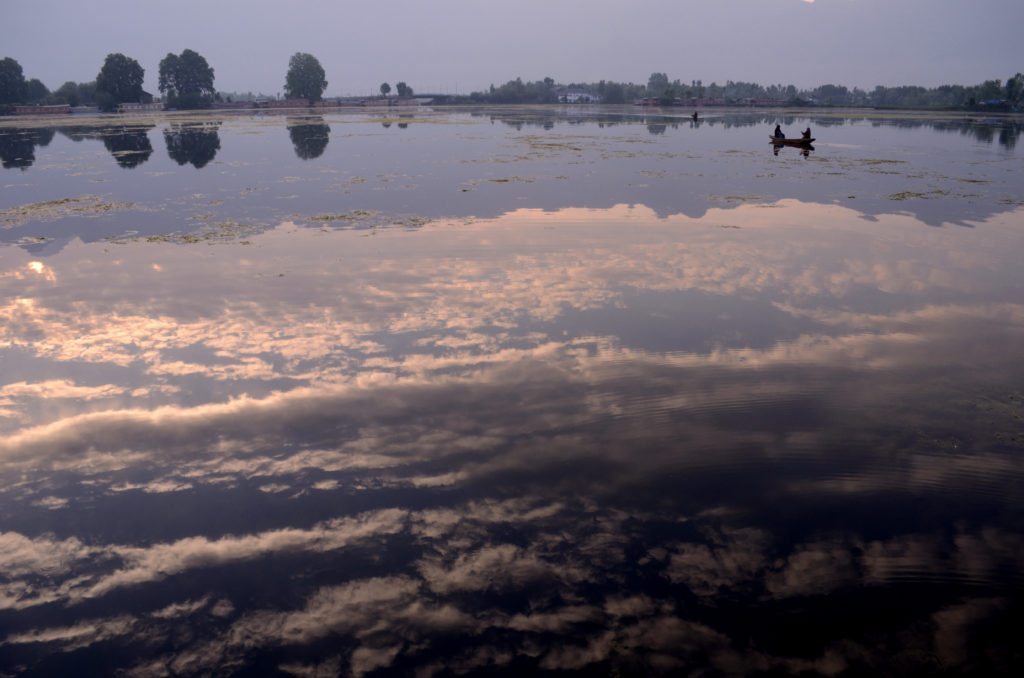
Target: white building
<point x="575" y="96"/>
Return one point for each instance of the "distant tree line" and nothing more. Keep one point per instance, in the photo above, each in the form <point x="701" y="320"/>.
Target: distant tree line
<point x="991" y="93"/>
<point x="186" y="81"/>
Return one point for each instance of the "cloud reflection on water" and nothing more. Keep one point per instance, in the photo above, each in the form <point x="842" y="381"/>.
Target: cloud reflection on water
<point x="431" y="438"/>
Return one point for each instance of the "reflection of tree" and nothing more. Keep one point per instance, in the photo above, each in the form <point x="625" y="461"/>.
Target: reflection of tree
<point x="18" y="146"/>
<point x="1009" y="134"/>
<point x="80" y="133"/>
<point x="309" y="136"/>
<point x="1005" y="132"/>
<point x="130" y="146"/>
<point x="193" y="143"/>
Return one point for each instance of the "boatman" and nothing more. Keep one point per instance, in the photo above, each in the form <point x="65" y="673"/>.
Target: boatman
<point x="778" y="133"/>
<point x="807" y="133"/>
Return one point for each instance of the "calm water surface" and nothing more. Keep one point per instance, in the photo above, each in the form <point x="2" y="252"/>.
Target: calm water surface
<point x="509" y="391"/>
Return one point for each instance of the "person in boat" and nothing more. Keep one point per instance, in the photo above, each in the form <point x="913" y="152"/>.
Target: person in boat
<point x="807" y="133"/>
<point x="778" y="132"/>
<point x="695" y="116"/>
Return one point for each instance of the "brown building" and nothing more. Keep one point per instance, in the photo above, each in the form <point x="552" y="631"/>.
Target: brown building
<point x="62" y="109"/>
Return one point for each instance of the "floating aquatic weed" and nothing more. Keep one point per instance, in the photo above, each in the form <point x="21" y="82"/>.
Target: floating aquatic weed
<point x="51" y="210"/>
<point x="917" y="195"/>
<point x="220" y="232"/>
<point x="509" y="180"/>
<point x="738" y="198"/>
<point x="354" y="215"/>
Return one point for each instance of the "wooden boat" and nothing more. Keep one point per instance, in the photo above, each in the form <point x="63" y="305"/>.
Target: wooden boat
<point x="799" y="141"/>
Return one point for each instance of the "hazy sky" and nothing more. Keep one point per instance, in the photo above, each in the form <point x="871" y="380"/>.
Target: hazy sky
<point x="468" y="44"/>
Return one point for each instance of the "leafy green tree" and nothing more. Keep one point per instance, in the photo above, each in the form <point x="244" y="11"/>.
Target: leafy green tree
<point x="12" y="81"/>
<point x="403" y="89"/>
<point x="614" y="93"/>
<point x="831" y="95"/>
<point x="186" y="80"/>
<point x="35" y="91"/>
<point x="385" y="89"/>
<point x="657" y="84"/>
<point x="1015" y="89"/>
<point x="119" y="81"/>
<point x="66" y="94"/>
<point x="990" y="89"/>
<point x="519" y="92"/>
<point x="87" y="93"/>
<point x="305" y="79"/>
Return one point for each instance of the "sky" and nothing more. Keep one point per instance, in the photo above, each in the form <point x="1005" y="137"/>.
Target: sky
<point x="465" y="45"/>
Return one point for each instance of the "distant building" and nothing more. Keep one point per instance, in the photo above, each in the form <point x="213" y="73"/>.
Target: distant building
<point x="233" y="105"/>
<point x="61" y="109"/>
<point x="283" y="103"/>
<point x="575" y="96"/>
<point x="141" y="108"/>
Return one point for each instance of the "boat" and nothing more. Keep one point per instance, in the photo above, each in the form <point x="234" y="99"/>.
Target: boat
<point x="792" y="142"/>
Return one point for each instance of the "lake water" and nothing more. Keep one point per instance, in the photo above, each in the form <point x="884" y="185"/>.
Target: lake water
<point x="511" y="390"/>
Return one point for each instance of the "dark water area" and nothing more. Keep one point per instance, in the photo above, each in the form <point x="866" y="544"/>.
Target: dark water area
<point x="511" y="391"/>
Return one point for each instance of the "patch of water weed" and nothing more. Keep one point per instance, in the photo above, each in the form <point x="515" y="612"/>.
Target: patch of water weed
<point x="366" y="219"/>
<point x="221" y="232"/>
<point x="738" y="198"/>
<point x="354" y="215"/>
<point x="413" y="221"/>
<point x="510" y="180"/>
<point x="392" y="120"/>
<point x="918" y="195"/>
<point x="51" y="210"/>
<point x="542" y="144"/>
